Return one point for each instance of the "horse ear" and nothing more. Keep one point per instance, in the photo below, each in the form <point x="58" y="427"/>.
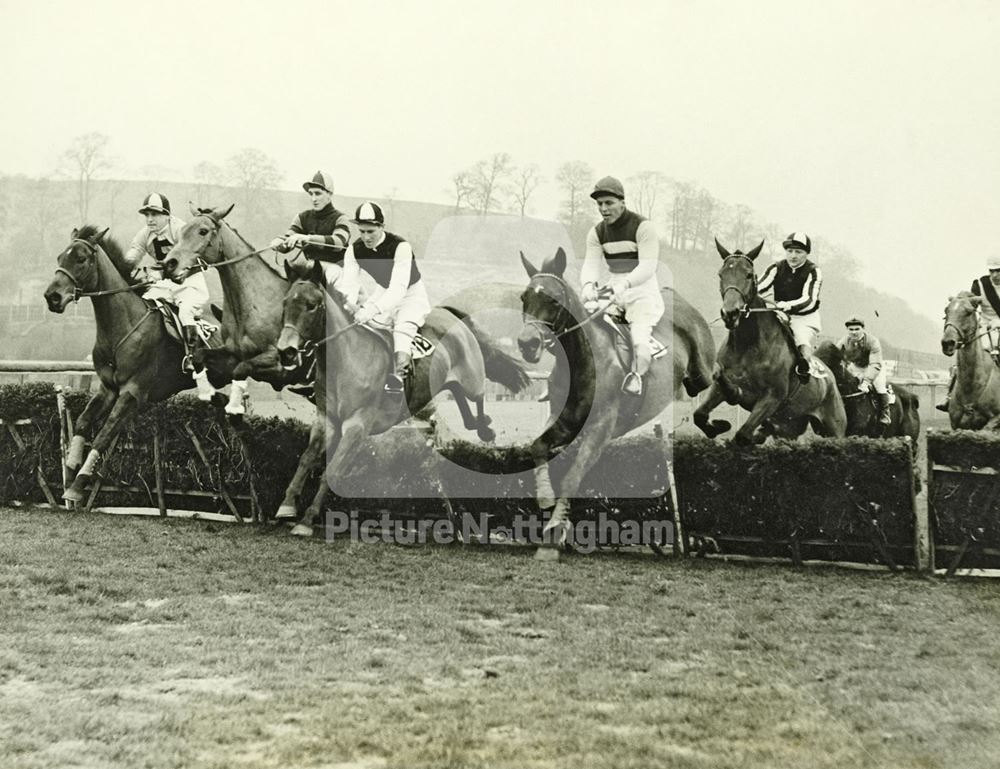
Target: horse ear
<point x="74" y="233"/>
<point x="316" y="275"/>
<point x="100" y="236"/>
<point x="756" y="252"/>
<point x="976" y="300"/>
<point x="195" y="211"/>
<point x="222" y="214"/>
<point x="721" y="249"/>
<point x="528" y="266"/>
<point x="557" y="263"/>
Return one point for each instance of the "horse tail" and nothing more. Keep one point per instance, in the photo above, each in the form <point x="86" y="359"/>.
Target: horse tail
<point x="691" y="327"/>
<point x="501" y="367"/>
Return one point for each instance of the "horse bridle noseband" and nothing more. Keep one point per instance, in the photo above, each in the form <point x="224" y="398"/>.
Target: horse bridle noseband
<point x="549" y="332"/>
<point x="77" y="293"/>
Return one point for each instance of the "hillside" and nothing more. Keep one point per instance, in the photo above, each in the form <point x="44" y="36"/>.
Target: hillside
<point x="457" y="253"/>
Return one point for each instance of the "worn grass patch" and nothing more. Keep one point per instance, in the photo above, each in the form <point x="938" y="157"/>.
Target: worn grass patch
<point x="148" y="643"/>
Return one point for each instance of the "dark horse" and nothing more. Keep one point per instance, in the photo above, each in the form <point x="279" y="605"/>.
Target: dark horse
<point x="756" y="367"/>
<point x="135" y="358"/>
<point x="253" y="292"/>
<point x="862" y="408"/>
<point x="596" y="410"/>
<point x="352" y="404"/>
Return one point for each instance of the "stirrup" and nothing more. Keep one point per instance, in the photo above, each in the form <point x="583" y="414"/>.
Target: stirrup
<point x="187" y="365"/>
<point x="632" y="384"/>
<point x="802" y="370"/>
<point x="394" y="384"/>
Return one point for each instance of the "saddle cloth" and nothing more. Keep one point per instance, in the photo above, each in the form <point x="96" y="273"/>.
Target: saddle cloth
<point x="172" y="322"/>
<point x="616" y="325"/>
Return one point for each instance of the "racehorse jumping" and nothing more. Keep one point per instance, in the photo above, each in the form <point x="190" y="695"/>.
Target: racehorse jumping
<point x="135" y="358"/>
<point x="975" y="399"/>
<point x="756" y="367"/>
<point x="353" y="404"/>
<point x="862" y="408"/>
<point x="253" y="294"/>
<point x="596" y="410"/>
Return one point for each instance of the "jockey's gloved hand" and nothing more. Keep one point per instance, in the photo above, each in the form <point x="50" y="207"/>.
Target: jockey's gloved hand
<point x="365" y="313"/>
<point x="278" y="244"/>
<point x="589" y="293"/>
<point x="865" y="386"/>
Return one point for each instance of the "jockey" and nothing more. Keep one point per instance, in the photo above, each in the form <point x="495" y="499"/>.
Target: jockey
<point x="863" y="354"/>
<point x="987" y="287"/>
<point x="155" y="240"/>
<point x="322" y="232"/>
<point x="627" y="244"/>
<point x="400" y="299"/>
<point x="793" y="284"/>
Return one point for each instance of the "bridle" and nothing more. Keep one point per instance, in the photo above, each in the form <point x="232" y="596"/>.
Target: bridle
<point x="549" y="330"/>
<point x="77" y="293"/>
<point x="962" y="341"/>
<point x="201" y="264"/>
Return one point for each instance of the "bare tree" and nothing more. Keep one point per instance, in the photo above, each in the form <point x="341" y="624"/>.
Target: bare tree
<point x="741" y="226"/>
<point x="254" y="172"/>
<point x="115" y="188"/>
<point x="682" y="215"/>
<point x="488" y="177"/>
<point x="86" y="157"/>
<point x="526" y="180"/>
<point x="644" y="189"/>
<point x="575" y="179"/>
<point x="462" y="189"/>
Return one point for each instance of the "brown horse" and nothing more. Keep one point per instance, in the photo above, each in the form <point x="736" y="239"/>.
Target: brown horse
<point x="352" y="404"/>
<point x="862" y="408"/>
<point x="135" y="358"/>
<point x="756" y="367"/>
<point x="596" y="410"/>
<point x="253" y="295"/>
<point x="975" y="399"/>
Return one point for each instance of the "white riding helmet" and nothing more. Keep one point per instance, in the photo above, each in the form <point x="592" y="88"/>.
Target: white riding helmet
<point x="993" y="261"/>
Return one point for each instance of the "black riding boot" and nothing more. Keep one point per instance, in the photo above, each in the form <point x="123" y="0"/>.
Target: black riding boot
<point x="943" y="405"/>
<point x="883" y="408"/>
<point x="802" y="363"/>
<point x="190" y="345"/>
<point x="401" y="370"/>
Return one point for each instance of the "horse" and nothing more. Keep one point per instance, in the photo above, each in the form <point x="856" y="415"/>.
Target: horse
<point x="862" y="408"/>
<point x="136" y="359"/>
<point x="253" y="294"/>
<point x="352" y="404"/>
<point x="596" y="410"/>
<point x="756" y="367"/>
<point x="975" y="399"/>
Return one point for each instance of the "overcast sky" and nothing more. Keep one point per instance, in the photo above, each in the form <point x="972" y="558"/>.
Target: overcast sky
<point x="871" y="124"/>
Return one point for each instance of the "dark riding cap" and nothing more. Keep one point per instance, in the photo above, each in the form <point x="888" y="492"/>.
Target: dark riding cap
<point x="854" y="322"/>
<point x="369" y="213"/>
<point x="609" y="185"/>
<point x="798" y="240"/>
<point x="156" y="203"/>
<point x="320" y="180"/>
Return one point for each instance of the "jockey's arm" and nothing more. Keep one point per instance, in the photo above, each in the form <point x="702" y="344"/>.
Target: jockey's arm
<point x="349" y="282"/>
<point x="590" y="273"/>
<point x="765" y="288"/>
<point x="137" y="249"/>
<point x="398" y="280"/>
<point x="649" y="254"/>
<point x="809" y="300"/>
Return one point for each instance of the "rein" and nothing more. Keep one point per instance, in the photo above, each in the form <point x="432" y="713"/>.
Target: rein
<point x="549" y="326"/>
<point x="78" y="294"/>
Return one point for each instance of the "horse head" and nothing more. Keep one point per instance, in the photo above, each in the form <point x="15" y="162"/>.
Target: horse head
<point x="544" y="305"/>
<point x="303" y="317"/>
<point x="199" y="242"/>
<point x="78" y="270"/>
<point x="737" y="283"/>
<point x="961" y="321"/>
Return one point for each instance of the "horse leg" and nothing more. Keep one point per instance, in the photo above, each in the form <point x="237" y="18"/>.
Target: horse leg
<point x="97" y="407"/>
<point x="123" y="410"/>
<point x="716" y="426"/>
<point x="762" y="409"/>
<point x="352" y="436"/>
<point x="486" y="433"/>
<point x="307" y="463"/>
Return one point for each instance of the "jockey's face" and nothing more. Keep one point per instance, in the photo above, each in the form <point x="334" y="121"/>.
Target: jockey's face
<point x="855" y="332"/>
<point x="611" y="208"/>
<point x="319" y="197"/>
<point x="995" y="277"/>
<point x="795" y="257"/>
<point x="370" y="233"/>
<point x="156" y="221"/>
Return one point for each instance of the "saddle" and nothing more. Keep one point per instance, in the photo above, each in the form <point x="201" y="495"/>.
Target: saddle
<point x="614" y="323"/>
<point x="174" y="327"/>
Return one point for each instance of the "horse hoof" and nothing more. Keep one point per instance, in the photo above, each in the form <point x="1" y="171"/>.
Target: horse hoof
<point x="694" y="386"/>
<point x="285" y="512"/>
<point x="486" y="435"/>
<point x="73" y="494"/>
<point x="302" y="530"/>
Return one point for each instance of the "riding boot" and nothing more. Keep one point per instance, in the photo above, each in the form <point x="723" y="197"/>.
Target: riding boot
<point x="943" y="405"/>
<point x="883" y="408"/>
<point x="401" y="370"/>
<point x="802" y="363"/>
<point x="190" y="344"/>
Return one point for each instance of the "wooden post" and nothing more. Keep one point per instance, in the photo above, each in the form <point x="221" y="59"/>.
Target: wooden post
<point x="64" y="437"/>
<point x="158" y="468"/>
<point x="208" y="465"/>
<point x="680" y="542"/>
<point x="923" y="533"/>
